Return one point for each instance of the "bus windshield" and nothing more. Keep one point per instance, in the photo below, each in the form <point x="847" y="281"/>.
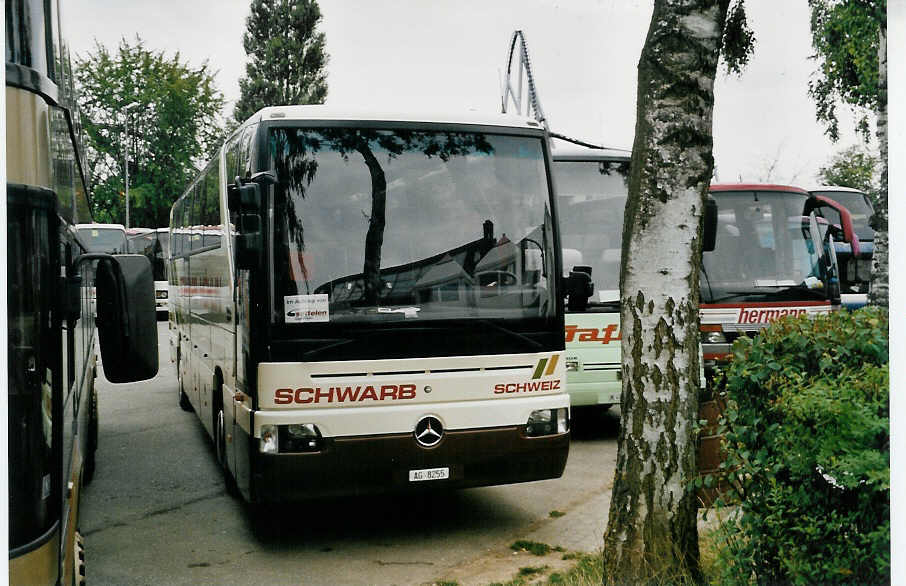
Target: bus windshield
<point x="381" y="225"/>
<point x="108" y="240"/>
<point x="763" y="248"/>
<point x="154" y="245"/>
<point x="591" y="197"/>
<point x="859" y="209"/>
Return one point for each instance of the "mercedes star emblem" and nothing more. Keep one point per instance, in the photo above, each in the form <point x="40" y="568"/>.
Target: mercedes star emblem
<point x="429" y="431"/>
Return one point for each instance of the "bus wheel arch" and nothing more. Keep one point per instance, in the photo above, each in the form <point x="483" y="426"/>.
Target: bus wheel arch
<point x="220" y="432"/>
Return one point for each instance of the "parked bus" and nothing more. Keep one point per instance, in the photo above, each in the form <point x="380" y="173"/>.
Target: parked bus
<point x="855" y="265"/>
<point x="774" y="256"/>
<point x="154" y="243"/>
<point x="107" y="238"/>
<point x="751" y="277"/>
<point x="368" y="303"/>
<point x="52" y="417"/>
<point x="592" y="185"/>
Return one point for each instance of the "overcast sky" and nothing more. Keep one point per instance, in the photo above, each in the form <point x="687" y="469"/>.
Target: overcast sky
<point x="448" y="55"/>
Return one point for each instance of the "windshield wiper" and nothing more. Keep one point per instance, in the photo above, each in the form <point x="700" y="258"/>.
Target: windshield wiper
<point x="804" y="289"/>
<point x="312" y="353"/>
<point x="510" y="332"/>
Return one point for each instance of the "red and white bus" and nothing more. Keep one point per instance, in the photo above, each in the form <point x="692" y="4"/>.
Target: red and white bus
<point x="774" y="256"/>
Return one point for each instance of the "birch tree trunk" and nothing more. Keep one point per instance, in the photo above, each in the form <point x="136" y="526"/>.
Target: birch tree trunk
<point x="879" y="290"/>
<point x="651" y="533"/>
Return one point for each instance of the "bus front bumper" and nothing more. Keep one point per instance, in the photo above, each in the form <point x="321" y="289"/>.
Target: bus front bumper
<point x="378" y="464"/>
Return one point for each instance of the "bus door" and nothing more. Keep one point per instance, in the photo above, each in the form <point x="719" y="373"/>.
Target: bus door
<point x="35" y="395"/>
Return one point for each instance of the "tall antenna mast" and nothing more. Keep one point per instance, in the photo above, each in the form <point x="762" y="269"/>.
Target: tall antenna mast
<point x="515" y="84"/>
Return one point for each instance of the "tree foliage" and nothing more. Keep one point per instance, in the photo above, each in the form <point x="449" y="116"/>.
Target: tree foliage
<point x="171" y="127"/>
<point x="845" y="38"/>
<point x="850" y="41"/>
<point x="807" y="438"/>
<point x="287" y="58"/>
<point x="738" y="43"/>
<point x="852" y="167"/>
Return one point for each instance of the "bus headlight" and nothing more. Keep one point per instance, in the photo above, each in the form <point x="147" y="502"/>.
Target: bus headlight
<point x="713" y="337"/>
<point x="547" y="422"/>
<point x="268" y="442"/>
<point x="290" y="439"/>
<point x="301" y="437"/>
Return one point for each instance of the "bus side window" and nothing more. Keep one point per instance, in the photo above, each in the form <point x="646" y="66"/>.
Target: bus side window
<point x="175" y="229"/>
<point x="195" y="215"/>
<point x="211" y="209"/>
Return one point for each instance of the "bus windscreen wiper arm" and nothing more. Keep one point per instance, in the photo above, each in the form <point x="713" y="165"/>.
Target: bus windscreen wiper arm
<point x="510" y="332"/>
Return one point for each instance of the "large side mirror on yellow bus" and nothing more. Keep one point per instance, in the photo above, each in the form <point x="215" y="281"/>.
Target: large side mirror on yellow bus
<point x="709" y="225"/>
<point x="126" y="317"/>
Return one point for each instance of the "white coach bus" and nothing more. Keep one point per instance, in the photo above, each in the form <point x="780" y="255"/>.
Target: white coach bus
<point x="366" y="303"/>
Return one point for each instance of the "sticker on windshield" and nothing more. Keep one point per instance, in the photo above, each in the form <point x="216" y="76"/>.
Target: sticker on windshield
<point x="299" y="309"/>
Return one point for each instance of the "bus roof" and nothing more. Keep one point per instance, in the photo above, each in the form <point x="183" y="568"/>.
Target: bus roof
<point x="102" y="226"/>
<point x="756" y="187"/>
<point x="568" y="151"/>
<point x="325" y="113"/>
<point x="835" y="188"/>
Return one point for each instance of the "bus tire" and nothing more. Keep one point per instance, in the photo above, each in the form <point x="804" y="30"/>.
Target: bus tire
<point x="78" y="559"/>
<point x="91" y="446"/>
<point x="220" y="446"/>
<point x="184" y="402"/>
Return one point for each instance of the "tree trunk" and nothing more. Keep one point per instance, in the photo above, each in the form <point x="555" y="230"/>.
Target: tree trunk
<point x="651" y="533"/>
<point x="879" y="291"/>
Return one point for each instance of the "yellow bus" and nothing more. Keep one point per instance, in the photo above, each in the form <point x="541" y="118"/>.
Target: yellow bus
<point x="53" y="411"/>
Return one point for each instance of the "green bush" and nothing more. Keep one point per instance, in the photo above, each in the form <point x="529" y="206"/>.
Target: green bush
<point x="807" y="436"/>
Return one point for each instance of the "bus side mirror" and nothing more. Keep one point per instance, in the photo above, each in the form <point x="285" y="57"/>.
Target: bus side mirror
<point x="249" y="242"/>
<point x="126" y="317"/>
<point x="709" y="225"/>
<point x="245" y="197"/>
<point x="578" y="288"/>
